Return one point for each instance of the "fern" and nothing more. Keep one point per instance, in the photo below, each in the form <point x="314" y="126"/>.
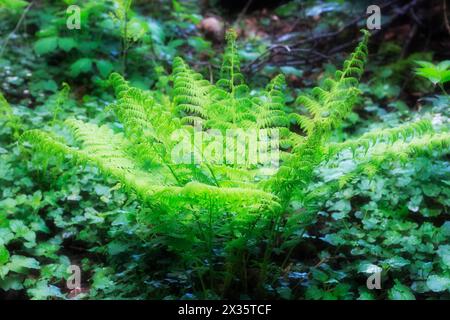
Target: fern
<point x="141" y="155"/>
<point x="391" y="135"/>
<point x="8" y="118"/>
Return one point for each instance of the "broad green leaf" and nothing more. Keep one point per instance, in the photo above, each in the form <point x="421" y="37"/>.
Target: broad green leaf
<point x="366" y="267"/>
<point x="13" y="5"/>
<point x="5" y="236"/>
<point x="366" y="295"/>
<point x="446" y="228"/>
<point x="199" y="44"/>
<point x="319" y="275"/>
<point x="43" y="291"/>
<point x="67" y="43"/>
<point x="342" y="205"/>
<point x="104" y="67"/>
<point x="4" y="255"/>
<point x="437" y="283"/>
<point x="425" y="64"/>
<point x="431" y="190"/>
<point x="22" y="231"/>
<point x="396" y="262"/>
<point x="443" y="65"/>
<point x="288" y="70"/>
<point x="137" y="28"/>
<point x="444" y="252"/>
<point x="445" y="76"/>
<point x="157" y="32"/>
<point x="431" y="74"/>
<point x="46" y="45"/>
<point x="47" y="85"/>
<point x="20" y="263"/>
<point x="83" y="65"/>
<point x="435" y="73"/>
<point x="400" y="292"/>
<point x="314" y="293"/>
<point x="285" y="292"/>
<point x="101" y="279"/>
<point x="4" y="270"/>
<point x="11" y="283"/>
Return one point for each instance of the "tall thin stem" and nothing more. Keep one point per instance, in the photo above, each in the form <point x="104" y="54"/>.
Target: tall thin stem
<point x="19" y="23"/>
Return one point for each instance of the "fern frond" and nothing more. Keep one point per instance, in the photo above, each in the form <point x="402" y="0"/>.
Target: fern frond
<point x="8" y="118"/>
<point x="307" y="124"/>
<point x="428" y="144"/>
<point x="230" y="72"/>
<point x="6" y="111"/>
<point x="192" y="93"/>
<point x="275" y="93"/>
<point x="391" y="135"/>
<point x="140" y="154"/>
<point x="330" y="104"/>
<point x="424" y="145"/>
<point x="108" y="151"/>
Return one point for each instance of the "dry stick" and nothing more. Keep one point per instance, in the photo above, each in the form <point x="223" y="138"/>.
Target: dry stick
<point x="415" y="17"/>
<point x="242" y="13"/>
<point x="265" y="57"/>
<point x="22" y="17"/>
<point x="447" y="25"/>
<point x="400" y="12"/>
<point x="125" y="44"/>
<point x="408" y="41"/>
<point x="349" y="24"/>
<point x="259" y="60"/>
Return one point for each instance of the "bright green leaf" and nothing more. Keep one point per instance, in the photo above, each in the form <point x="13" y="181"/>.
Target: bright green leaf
<point x="400" y="292"/>
<point x="83" y="65"/>
<point x="46" y="45"/>
<point x="67" y="43"/>
<point x="437" y="283"/>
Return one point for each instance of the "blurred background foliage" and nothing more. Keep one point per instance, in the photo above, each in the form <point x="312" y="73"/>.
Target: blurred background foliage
<point x="53" y="215"/>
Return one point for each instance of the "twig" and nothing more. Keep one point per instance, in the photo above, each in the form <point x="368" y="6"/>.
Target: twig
<point x="22" y="17"/>
<point x="211" y="76"/>
<point x="125" y="43"/>
<point x="268" y="54"/>
<point x="415" y="17"/>
<point x="411" y="35"/>
<point x="242" y="13"/>
<point x="341" y="29"/>
<point x="447" y="25"/>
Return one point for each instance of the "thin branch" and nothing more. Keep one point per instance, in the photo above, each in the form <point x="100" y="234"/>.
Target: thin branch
<point x="242" y="13"/>
<point x="267" y="56"/>
<point x="447" y="25"/>
<point x="19" y="23"/>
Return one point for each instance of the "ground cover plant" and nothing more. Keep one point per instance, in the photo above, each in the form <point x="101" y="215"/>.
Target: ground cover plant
<point x="147" y="182"/>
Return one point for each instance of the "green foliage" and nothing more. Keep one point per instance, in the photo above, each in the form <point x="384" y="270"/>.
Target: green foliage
<point x="123" y="30"/>
<point x="11" y="121"/>
<point x="362" y="183"/>
<point x="198" y="208"/>
<point x="436" y="73"/>
<point x="32" y="259"/>
<point x="13" y="5"/>
<point x="388" y="222"/>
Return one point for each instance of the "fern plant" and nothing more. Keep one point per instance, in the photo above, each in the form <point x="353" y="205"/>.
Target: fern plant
<point x="8" y="118"/>
<point x="208" y="202"/>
